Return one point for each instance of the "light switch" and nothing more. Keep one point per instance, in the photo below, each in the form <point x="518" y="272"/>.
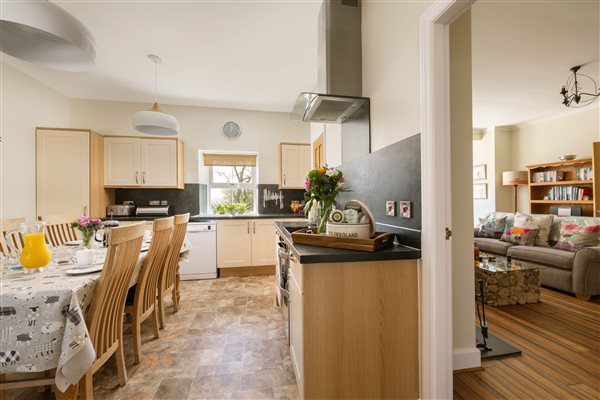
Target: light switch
<point x="405" y="209"/>
<point x="390" y="208"/>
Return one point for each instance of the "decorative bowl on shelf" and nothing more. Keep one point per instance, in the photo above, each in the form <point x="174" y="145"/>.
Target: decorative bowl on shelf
<point x="567" y="157"/>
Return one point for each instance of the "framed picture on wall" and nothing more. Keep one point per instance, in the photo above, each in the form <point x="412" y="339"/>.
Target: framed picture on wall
<point x="480" y="191"/>
<point x="479" y="172"/>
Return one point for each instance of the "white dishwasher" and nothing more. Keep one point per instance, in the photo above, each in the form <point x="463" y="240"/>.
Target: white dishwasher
<point x="202" y="261"/>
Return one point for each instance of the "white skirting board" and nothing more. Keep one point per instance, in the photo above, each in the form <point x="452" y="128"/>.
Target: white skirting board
<point x="466" y="357"/>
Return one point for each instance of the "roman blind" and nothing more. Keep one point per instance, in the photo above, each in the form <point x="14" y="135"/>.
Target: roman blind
<point x="242" y="160"/>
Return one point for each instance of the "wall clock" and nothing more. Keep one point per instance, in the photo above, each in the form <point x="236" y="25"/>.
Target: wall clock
<point x="231" y="130"/>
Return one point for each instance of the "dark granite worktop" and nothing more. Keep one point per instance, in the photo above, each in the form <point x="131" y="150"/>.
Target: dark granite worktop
<point x="314" y="254"/>
<point x="200" y="218"/>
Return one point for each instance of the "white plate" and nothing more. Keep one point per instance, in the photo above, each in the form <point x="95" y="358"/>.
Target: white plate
<point x="73" y="243"/>
<point x="83" y="271"/>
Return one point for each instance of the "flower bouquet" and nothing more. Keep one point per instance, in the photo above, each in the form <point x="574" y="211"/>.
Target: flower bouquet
<point x="88" y="227"/>
<point x="322" y="187"/>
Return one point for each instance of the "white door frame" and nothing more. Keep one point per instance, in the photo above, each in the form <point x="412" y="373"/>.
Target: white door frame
<point x="436" y="278"/>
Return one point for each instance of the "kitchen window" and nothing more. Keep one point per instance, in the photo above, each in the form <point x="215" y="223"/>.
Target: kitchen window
<point x="232" y="183"/>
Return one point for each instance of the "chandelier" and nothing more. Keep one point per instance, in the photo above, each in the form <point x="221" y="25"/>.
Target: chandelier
<point x="573" y="90"/>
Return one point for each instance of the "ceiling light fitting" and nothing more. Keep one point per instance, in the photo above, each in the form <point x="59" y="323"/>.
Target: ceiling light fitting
<point x="154" y="121"/>
<point x="42" y="33"/>
<point x="572" y="91"/>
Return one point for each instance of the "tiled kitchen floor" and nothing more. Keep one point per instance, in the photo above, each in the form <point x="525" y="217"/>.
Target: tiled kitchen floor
<point x="226" y="342"/>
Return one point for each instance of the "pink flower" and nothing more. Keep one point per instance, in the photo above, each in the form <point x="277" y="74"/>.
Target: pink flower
<point x="307" y="184"/>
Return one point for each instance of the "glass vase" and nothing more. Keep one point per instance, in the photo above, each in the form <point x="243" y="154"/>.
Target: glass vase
<point x="324" y="211"/>
<point x="86" y="239"/>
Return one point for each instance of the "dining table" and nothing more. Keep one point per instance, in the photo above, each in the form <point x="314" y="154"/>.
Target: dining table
<point x="42" y="317"/>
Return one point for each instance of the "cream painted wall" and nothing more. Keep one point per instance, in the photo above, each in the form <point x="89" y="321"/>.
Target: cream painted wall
<point x="461" y="130"/>
<point x="200" y="129"/>
<point x="391" y="68"/>
<point x="547" y="140"/>
<point x="332" y="141"/>
<point x="483" y="153"/>
<point x="25" y="104"/>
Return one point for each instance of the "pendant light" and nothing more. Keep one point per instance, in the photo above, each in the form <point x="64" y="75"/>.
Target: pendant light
<point x="42" y="33"/>
<point x="154" y="121"/>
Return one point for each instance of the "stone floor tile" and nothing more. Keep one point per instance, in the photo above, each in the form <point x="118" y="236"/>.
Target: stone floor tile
<point x="233" y="352"/>
<point x="215" y="384"/>
<point x="286" y="392"/>
<point x="173" y="389"/>
<point x="255" y="394"/>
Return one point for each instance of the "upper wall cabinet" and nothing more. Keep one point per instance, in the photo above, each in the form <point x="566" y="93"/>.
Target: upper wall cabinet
<point x="294" y="164"/>
<point x="69" y="173"/>
<point x="139" y="162"/>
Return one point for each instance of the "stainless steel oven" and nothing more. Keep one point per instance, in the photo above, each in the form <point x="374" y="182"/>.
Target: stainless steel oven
<point x="282" y="265"/>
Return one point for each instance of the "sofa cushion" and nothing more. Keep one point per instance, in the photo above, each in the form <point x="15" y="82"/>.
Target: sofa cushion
<point x="522" y="236"/>
<point x="574" y="237"/>
<point x="491" y="227"/>
<point x="543" y="255"/>
<point x="493" y="246"/>
<point x="541" y="222"/>
<point x="583" y="221"/>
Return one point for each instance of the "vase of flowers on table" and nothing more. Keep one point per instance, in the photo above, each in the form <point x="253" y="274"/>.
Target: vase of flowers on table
<point x="88" y="227"/>
<point x="322" y="187"/>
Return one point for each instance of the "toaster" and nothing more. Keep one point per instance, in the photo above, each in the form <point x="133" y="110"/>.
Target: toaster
<point x="120" y="210"/>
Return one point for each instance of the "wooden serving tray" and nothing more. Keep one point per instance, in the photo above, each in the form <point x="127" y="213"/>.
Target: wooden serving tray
<point x="379" y="241"/>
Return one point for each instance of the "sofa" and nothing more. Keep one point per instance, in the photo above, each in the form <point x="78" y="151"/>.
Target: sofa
<point x="575" y="272"/>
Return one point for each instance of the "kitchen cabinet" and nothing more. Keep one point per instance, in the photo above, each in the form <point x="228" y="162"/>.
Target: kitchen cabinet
<point x="296" y="326"/>
<point x="69" y="173"/>
<point x="143" y="163"/>
<point x="294" y="164"/>
<point x="245" y="242"/>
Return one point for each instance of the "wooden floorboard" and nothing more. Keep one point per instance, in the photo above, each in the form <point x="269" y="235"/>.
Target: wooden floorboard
<point x="560" y="343"/>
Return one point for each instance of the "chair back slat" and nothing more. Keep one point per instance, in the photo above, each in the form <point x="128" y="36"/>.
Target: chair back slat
<point x="15" y="239"/>
<point x="147" y="284"/>
<point x="58" y="229"/>
<point x="169" y="271"/>
<point x="105" y="316"/>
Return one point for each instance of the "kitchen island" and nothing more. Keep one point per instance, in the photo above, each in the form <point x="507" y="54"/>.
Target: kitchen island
<point x="353" y="320"/>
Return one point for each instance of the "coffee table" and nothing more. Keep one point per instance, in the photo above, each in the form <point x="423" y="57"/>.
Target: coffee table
<point x="518" y="284"/>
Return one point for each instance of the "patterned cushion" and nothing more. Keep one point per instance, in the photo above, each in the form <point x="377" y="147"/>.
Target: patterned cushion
<point x="541" y="222"/>
<point x="491" y="228"/>
<point x="574" y="237"/>
<point x="522" y="236"/>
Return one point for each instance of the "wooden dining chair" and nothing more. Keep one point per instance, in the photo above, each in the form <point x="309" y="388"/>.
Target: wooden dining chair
<point x="58" y="229"/>
<point x="15" y="239"/>
<point x="141" y="301"/>
<point x="169" y="274"/>
<point x="105" y="316"/>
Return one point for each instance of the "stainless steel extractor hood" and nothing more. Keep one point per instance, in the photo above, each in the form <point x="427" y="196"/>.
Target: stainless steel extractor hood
<point x="316" y="107"/>
<point x="339" y="83"/>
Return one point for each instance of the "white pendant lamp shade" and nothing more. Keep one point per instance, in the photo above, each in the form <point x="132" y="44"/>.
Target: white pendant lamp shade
<point x="42" y="33"/>
<point x="155" y="122"/>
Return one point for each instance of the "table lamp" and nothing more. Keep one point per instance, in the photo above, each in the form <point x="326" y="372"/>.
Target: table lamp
<point x="515" y="178"/>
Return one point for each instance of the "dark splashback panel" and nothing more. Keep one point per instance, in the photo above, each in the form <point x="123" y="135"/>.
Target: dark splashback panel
<point x="392" y="173"/>
<point x="268" y="199"/>
<point x="183" y="201"/>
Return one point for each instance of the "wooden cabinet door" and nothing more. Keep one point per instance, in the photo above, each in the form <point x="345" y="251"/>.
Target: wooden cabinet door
<point x="294" y="164"/>
<point x="63" y="172"/>
<point x="122" y="161"/>
<point x="296" y="332"/>
<point x="234" y="243"/>
<point x="263" y="231"/>
<point x="159" y="162"/>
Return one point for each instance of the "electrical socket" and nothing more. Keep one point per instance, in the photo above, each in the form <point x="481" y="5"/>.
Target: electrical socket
<point x="164" y="203"/>
<point x="154" y="202"/>
<point x="390" y="208"/>
<point x="405" y="209"/>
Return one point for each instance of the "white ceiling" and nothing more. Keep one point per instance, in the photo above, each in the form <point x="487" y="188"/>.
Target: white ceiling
<point x="260" y="55"/>
<point x="235" y="54"/>
<point x="522" y="53"/>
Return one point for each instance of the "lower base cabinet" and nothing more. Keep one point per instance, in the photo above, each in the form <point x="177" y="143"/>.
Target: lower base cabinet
<point x="354" y="329"/>
<point x="245" y="242"/>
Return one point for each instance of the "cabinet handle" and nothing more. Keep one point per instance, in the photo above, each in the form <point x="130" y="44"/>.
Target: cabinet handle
<point x="248" y="225"/>
<point x="253" y="226"/>
<point x="144" y="177"/>
<point x="84" y="210"/>
<point x="284" y="179"/>
<point x="137" y="177"/>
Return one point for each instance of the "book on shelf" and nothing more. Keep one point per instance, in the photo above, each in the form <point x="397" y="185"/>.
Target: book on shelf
<point x="548" y="176"/>
<point x="569" y="193"/>
<point x="584" y="174"/>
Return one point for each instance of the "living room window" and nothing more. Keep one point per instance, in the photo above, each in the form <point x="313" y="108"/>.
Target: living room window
<point x="232" y="182"/>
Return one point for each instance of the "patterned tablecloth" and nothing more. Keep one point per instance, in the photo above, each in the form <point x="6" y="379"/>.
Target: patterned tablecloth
<point x="42" y="322"/>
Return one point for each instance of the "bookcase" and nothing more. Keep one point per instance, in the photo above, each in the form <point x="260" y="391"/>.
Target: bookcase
<point x="562" y="183"/>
